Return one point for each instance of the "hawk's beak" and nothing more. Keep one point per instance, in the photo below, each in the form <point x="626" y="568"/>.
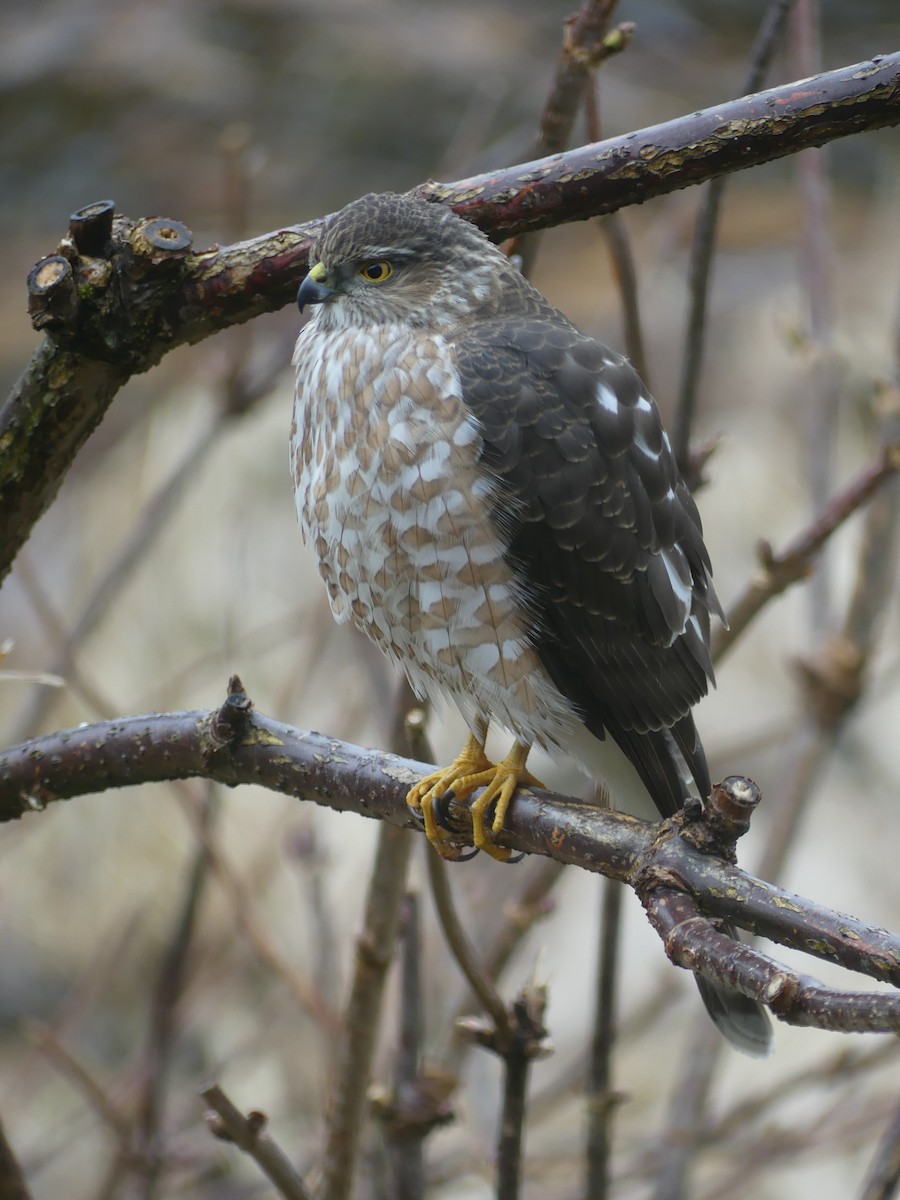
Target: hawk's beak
<point x="314" y="289"/>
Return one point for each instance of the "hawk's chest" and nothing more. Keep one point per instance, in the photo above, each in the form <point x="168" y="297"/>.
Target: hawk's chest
<point x="384" y="456"/>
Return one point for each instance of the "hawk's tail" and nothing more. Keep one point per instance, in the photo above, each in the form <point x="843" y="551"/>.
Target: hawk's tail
<point x="741" y="1020"/>
<point x="663" y="760"/>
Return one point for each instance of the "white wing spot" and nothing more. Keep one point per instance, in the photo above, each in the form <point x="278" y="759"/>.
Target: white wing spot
<point x="606" y="398"/>
<point x="679" y="577"/>
<point x="641" y="444"/>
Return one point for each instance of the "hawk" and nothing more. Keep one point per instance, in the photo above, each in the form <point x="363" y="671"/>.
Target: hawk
<point x="493" y="499"/>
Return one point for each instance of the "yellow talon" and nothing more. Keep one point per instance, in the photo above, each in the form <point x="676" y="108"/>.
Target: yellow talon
<point x="468" y="772"/>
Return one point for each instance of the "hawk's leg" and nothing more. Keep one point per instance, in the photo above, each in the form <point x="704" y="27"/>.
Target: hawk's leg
<point x="469" y="771"/>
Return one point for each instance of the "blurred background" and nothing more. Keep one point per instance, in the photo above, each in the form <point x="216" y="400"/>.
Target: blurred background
<point x="171" y="559"/>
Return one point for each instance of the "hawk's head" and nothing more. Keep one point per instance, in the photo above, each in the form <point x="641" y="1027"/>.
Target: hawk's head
<point x="387" y="258"/>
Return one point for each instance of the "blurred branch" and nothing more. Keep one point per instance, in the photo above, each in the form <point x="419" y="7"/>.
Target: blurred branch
<point x="12" y="1181"/>
<point x="520" y="912"/>
<point x="229" y="1124"/>
<point x="883" y="1178"/>
<point x="704" y="246"/>
<point x="681" y="1135"/>
<point x="405" y="1137"/>
<point x="678" y="867"/>
<point x="168" y="988"/>
<point x="601" y="1100"/>
<point x="794" y="564"/>
<point x="461" y="948"/>
<point x="587" y="43"/>
<point x="835" y="679"/>
<point x="824" y="375"/>
<point x="117" y="295"/>
<point x="374" y="952"/>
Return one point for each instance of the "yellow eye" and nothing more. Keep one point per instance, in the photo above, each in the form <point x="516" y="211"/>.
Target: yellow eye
<point x="376" y="272"/>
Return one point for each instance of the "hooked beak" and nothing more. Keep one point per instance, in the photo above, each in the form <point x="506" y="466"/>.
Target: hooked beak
<point x="314" y="289"/>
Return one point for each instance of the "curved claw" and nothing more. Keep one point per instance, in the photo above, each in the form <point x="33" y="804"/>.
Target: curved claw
<point x="470" y="771"/>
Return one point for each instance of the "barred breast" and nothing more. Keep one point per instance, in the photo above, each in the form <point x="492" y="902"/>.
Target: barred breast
<point x="390" y="494"/>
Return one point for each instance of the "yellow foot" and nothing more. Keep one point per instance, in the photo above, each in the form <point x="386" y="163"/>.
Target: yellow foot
<point x="468" y="772"/>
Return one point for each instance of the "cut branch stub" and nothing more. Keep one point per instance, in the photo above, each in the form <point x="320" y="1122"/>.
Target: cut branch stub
<point x="52" y="295"/>
<point x="91" y="227"/>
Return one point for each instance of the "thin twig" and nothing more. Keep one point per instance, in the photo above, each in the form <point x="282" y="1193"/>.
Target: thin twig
<point x="460" y="946"/>
<point x="109" y="585"/>
<point x="374" y="952"/>
<point x="167" y="991"/>
<point x="882" y="1180"/>
<point x="817" y="273"/>
<point x="585" y="46"/>
<point x="110" y="1112"/>
<point x="601" y="1101"/>
<point x="703" y="249"/>
<point x="687" y="1111"/>
<point x="243" y="906"/>
<point x="405" y="1139"/>
<point x="249" y="1134"/>
<point x="618" y="243"/>
<point x="521" y="912"/>
<point x="794" y="563"/>
<point x="512" y="1125"/>
<point x="836" y="680"/>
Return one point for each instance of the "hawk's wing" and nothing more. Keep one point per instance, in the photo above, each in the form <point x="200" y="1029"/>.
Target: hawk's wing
<point x="603" y="534"/>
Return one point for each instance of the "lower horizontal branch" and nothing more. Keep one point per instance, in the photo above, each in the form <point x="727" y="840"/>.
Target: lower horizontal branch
<point x="680" y="886"/>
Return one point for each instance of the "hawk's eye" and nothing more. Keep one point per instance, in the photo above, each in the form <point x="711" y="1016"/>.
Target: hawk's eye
<point x="376" y="272"/>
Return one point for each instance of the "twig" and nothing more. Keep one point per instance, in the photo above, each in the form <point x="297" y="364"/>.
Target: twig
<point x="242" y="904"/>
<point x="687" y="1109"/>
<point x="460" y="946"/>
<point x="12" y="1180"/>
<point x="406" y="1115"/>
<point x="823" y="383"/>
<point x="81" y="1078"/>
<point x="66" y="389"/>
<point x="703" y="248"/>
<point x="836" y="680"/>
<point x="374" y="951"/>
<point x="883" y="1177"/>
<point x="520" y="913"/>
<point x="585" y="47"/>
<point x="517" y="1042"/>
<point x="618" y="244"/>
<point x="249" y="1134"/>
<point x="167" y="992"/>
<point x="601" y="1101"/>
<point x="305" y="849"/>
<point x="840" y="1067"/>
<point x="779" y="571"/>
<point x="119" y="569"/>
<point x="528" y="1043"/>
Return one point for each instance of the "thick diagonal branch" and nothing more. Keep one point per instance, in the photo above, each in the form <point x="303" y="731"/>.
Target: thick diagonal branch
<point x="112" y="306"/>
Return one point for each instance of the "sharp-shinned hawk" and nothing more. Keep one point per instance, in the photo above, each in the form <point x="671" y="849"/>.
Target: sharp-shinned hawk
<point x="493" y="499"/>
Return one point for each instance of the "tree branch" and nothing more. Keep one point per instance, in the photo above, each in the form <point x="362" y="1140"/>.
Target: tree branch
<point x="117" y="295"/>
<point x="675" y="866"/>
